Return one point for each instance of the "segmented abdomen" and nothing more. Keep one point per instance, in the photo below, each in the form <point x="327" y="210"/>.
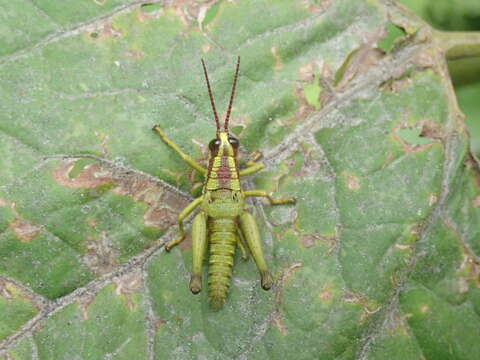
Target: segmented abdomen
<point x="223" y="239"/>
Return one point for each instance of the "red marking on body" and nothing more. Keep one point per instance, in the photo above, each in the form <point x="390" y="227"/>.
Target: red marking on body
<point x="224" y="173"/>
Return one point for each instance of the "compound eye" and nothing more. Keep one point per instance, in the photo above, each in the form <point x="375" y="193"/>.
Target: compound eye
<point x="214" y="145"/>
<point x="233" y="141"/>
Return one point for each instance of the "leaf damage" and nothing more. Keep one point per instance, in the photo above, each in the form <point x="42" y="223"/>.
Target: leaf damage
<point x="127" y="286"/>
<point x="164" y="203"/>
<point x="23" y="229"/>
<point x="317" y="6"/>
<point x="353" y="182"/>
<point x="357" y="62"/>
<point x="419" y="137"/>
<point x="313" y="89"/>
<point x="100" y="256"/>
<point x="150" y="11"/>
<point x="11" y="291"/>
<point x="277" y="318"/>
<point x="191" y="12"/>
<point x="369" y="307"/>
<point x="103" y="31"/>
<point x="91" y="176"/>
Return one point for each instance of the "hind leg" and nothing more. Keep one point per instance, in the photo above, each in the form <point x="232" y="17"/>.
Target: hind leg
<point x="252" y="236"/>
<point x="199" y="244"/>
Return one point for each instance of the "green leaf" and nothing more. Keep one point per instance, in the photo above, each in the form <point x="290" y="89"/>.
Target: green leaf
<point x="377" y="259"/>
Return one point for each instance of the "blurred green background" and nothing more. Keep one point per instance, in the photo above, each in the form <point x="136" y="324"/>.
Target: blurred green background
<point x="458" y="15"/>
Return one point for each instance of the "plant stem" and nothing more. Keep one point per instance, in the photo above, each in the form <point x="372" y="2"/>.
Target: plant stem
<point x="458" y="44"/>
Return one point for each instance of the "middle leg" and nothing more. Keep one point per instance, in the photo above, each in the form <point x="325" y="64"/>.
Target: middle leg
<point x="273" y="201"/>
<point x="185" y="212"/>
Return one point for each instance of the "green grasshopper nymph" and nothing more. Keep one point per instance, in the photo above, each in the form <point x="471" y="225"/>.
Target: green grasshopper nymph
<point x="222" y="223"/>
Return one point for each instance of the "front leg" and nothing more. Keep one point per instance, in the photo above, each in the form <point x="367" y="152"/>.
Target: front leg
<point x="184" y="156"/>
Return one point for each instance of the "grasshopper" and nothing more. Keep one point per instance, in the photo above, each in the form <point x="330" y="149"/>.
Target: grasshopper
<point x="222" y="223"/>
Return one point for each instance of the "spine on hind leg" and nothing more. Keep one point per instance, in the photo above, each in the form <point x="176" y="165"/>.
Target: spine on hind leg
<point x="223" y="240"/>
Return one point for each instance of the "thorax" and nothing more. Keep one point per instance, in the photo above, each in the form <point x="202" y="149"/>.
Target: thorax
<point x="222" y="174"/>
<point x="223" y="203"/>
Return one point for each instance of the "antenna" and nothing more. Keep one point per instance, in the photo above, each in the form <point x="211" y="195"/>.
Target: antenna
<point x="211" y="97"/>
<point x="232" y="95"/>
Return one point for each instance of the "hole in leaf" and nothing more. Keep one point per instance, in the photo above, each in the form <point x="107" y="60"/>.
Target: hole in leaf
<point x="150" y="8"/>
<point x="210" y="14"/>
<point x="393" y="34"/>
<point x="414" y="137"/>
<point x="312" y="93"/>
<point x="78" y="167"/>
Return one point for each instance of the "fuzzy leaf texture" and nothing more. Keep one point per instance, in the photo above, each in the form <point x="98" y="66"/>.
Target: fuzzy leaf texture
<point x="350" y="104"/>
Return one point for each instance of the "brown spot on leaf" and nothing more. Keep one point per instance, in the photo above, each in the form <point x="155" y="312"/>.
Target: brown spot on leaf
<point x="425" y="59"/>
<point x="286" y="275"/>
<point x="91" y="176"/>
<point x="9" y="291"/>
<point x="476" y="202"/>
<point x="164" y="203"/>
<point x="127" y="285"/>
<point x="101" y="255"/>
<point x="353" y="183"/>
<point x="134" y="54"/>
<point x="309" y="240"/>
<point x="188" y="11"/>
<point x="358" y="62"/>
<point x="278" y="323"/>
<point x="104" y="31"/>
<point x="206" y="48"/>
<point x="317" y="5"/>
<point x="164" y="206"/>
<point x="312" y="162"/>
<point x="158" y="323"/>
<point x="431" y="130"/>
<point x="5" y="292"/>
<point x="288" y="272"/>
<point x="278" y="61"/>
<point x="395" y="85"/>
<point x="368" y="307"/>
<point x="24" y="230"/>
<point x="432" y="199"/>
<point x="469" y="270"/>
<point x="424" y="308"/>
<point x="276" y="316"/>
<point x="84" y="302"/>
<point x="325" y="294"/>
<point x="92" y="223"/>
